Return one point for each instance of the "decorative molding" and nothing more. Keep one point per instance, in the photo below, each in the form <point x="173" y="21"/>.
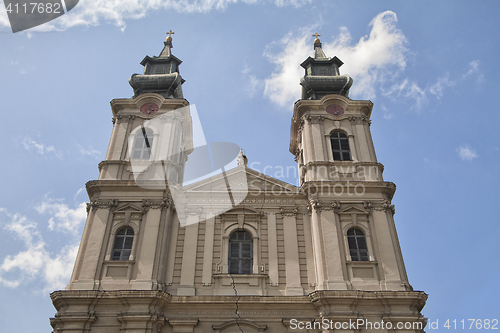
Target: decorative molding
<point x="193" y="212"/>
<point x="313" y="119"/>
<point x="385" y="206"/>
<point x="238" y="323"/>
<point x="359" y="120"/>
<point x="322" y="206"/>
<point x="335" y="206"/>
<point x="368" y="205"/>
<point x="297" y="155"/>
<point x="289" y="211"/>
<point x="388" y="207"/>
<point x="151" y="204"/>
<point x="100" y="204"/>
<point x="92" y="188"/>
<point x="183" y="325"/>
<point x="314" y="203"/>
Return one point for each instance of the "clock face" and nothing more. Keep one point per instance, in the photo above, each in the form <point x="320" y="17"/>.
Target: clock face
<point x="335" y="109"/>
<point x="149" y="108"/>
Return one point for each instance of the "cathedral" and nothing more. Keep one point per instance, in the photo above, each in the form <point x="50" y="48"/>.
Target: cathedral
<point x="238" y="251"/>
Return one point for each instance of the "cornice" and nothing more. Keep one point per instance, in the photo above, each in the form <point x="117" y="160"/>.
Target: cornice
<point x="326" y="300"/>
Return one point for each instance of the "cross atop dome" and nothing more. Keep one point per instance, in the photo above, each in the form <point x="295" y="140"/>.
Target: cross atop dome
<point x="170" y="33"/>
<point x="316" y="40"/>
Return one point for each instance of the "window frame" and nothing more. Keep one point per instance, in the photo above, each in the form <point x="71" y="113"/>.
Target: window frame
<point x="360" y="254"/>
<point x="341" y="137"/>
<point x="240" y="259"/>
<point x="124" y="247"/>
<point x="146" y="135"/>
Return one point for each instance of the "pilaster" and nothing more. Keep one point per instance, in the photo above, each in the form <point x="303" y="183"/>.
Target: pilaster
<point x="187" y="287"/>
<point x="273" y="249"/>
<point x="292" y="267"/>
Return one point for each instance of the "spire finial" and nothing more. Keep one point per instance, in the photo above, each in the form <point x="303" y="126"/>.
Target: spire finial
<point x="170" y="33"/>
<point x="317" y="39"/>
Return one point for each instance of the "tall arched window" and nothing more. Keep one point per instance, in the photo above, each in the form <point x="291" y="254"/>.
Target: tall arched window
<point x="240" y="253"/>
<point x="123" y="244"/>
<point x="357" y="245"/>
<point x="340" y="146"/>
<point x="143" y="142"/>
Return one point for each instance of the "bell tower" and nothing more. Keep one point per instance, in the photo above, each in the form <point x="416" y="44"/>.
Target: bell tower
<point x="124" y="244"/>
<point x="340" y="174"/>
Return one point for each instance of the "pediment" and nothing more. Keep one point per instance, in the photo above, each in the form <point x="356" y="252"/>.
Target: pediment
<point x="242" y="179"/>
<point x="353" y="210"/>
<point x="129" y="208"/>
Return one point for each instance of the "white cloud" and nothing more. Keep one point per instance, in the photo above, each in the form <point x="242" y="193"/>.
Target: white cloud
<point x="418" y="94"/>
<point x="376" y="58"/>
<point x="466" y="153"/>
<point x="373" y="60"/>
<point x="35" y="262"/>
<point x="438" y="87"/>
<point x="63" y="218"/>
<point x="252" y="84"/>
<point x="89" y="152"/>
<point x="4" y="19"/>
<point x="117" y="12"/>
<point x="40" y="148"/>
<point x="282" y="87"/>
<point x="474" y="70"/>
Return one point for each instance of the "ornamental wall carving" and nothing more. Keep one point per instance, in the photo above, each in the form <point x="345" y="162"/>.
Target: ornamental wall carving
<point x="313" y="119"/>
<point x="102" y="204"/>
<point x="158" y="204"/>
<point x="322" y="206"/>
<point x="289" y="211"/>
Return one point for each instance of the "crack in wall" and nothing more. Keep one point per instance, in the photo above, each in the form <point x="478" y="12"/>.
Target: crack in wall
<point x="237" y="305"/>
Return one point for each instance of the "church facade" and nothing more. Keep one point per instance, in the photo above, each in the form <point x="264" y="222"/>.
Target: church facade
<point x="239" y="251"/>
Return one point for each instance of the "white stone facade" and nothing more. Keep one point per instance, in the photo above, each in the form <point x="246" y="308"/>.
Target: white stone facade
<point x="177" y="278"/>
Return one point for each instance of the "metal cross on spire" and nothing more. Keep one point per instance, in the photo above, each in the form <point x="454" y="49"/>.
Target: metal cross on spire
<point x="316" y="35"/>
<point x="170" y="33"/>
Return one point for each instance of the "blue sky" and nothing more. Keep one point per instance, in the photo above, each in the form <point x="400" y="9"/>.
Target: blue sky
<point x="430" y="68"/>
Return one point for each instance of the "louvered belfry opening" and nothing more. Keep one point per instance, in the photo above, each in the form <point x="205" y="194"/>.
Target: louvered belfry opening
<point x="240" y="253"/>
<point x="123" y="244"/>
<point x="357" y="245"/>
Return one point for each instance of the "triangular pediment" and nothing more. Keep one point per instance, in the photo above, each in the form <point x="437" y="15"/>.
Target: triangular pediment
<point x="353" y="210"/>
<point x="129" y="208"/>
<point x="242" y="179"/>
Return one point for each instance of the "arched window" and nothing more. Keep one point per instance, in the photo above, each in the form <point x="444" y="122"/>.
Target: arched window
<point x="240" y="253"/>
<point x="357" y="245"/>
<point x="340" y="146"/>
<point x="123" y="244"/>
<point x="143" y="142"/>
